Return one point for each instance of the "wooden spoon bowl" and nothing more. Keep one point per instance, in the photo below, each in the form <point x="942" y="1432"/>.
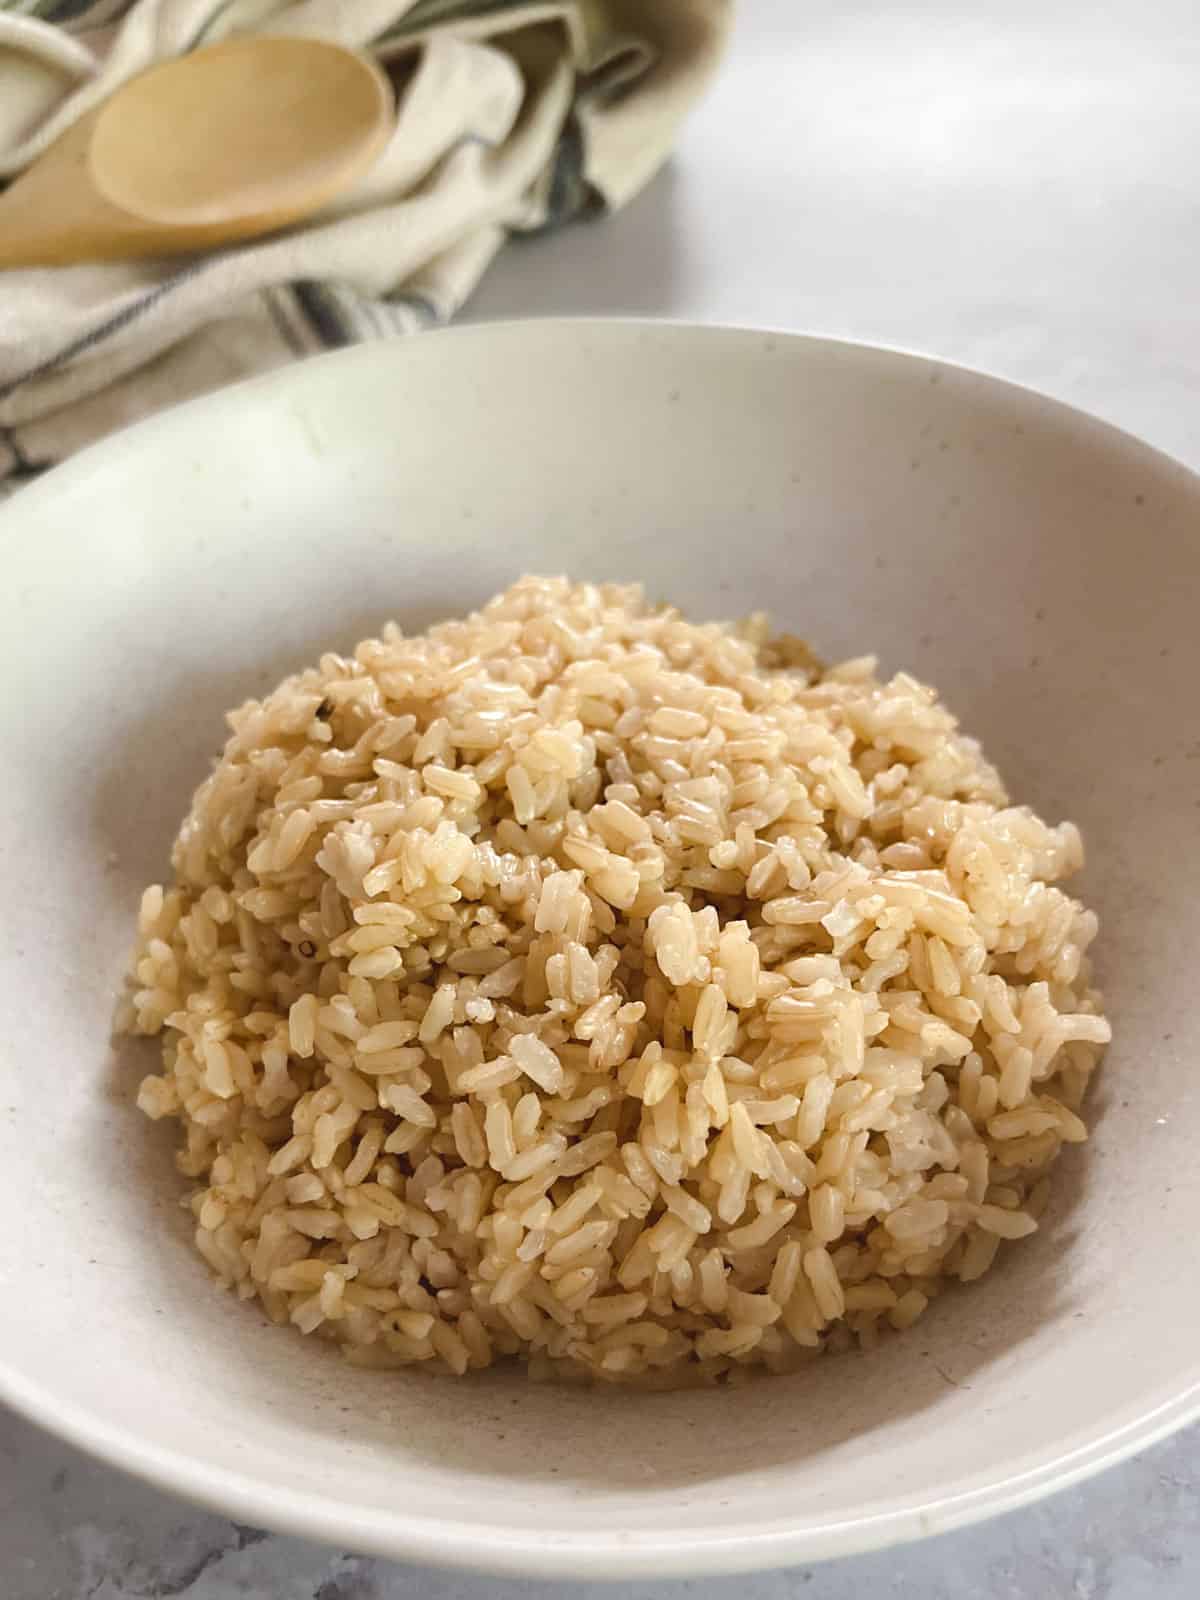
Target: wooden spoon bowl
<point x="229" y="142"/>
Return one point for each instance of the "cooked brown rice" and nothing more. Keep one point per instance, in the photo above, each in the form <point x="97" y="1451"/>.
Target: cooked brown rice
<point x="634" y="997"/>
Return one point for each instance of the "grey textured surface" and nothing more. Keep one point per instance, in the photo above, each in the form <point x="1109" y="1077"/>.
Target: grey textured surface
<point x="1010" y="189"/>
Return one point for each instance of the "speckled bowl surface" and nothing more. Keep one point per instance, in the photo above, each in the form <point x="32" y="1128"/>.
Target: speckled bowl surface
<point x="1042" y="569"/>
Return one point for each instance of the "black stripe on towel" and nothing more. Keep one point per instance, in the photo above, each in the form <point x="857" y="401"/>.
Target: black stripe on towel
<point x="117" y="323"/>
<point x="318" y="307"/>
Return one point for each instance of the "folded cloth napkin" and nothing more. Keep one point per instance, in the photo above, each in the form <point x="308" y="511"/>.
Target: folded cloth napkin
<point x="514" y="116"/>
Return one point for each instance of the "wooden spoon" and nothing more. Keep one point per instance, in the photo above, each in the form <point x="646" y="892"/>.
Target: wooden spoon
<point x="234" y="140"/>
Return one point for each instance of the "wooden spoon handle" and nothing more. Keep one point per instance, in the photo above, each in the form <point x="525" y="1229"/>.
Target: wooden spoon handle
<point x="51" y="215"/>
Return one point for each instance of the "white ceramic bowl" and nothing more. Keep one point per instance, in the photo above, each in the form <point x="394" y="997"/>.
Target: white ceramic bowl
<point x="1039" y="567"/>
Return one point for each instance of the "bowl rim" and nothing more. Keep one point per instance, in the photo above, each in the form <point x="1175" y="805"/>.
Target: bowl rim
<point x="84" y="460"/>
<point x="492" y="1548"/>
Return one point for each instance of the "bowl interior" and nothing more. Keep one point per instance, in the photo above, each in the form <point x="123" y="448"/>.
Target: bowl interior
<point x="1040" y="568"/>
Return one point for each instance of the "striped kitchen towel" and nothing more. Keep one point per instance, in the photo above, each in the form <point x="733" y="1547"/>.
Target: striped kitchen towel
<point x="514" y="116"/>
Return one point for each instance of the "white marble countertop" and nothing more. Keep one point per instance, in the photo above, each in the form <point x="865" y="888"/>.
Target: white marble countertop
<point x="1010" y="184"/>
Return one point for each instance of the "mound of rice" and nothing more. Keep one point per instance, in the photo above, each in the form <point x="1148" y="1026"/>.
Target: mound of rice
<point x="580" y="984"/>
